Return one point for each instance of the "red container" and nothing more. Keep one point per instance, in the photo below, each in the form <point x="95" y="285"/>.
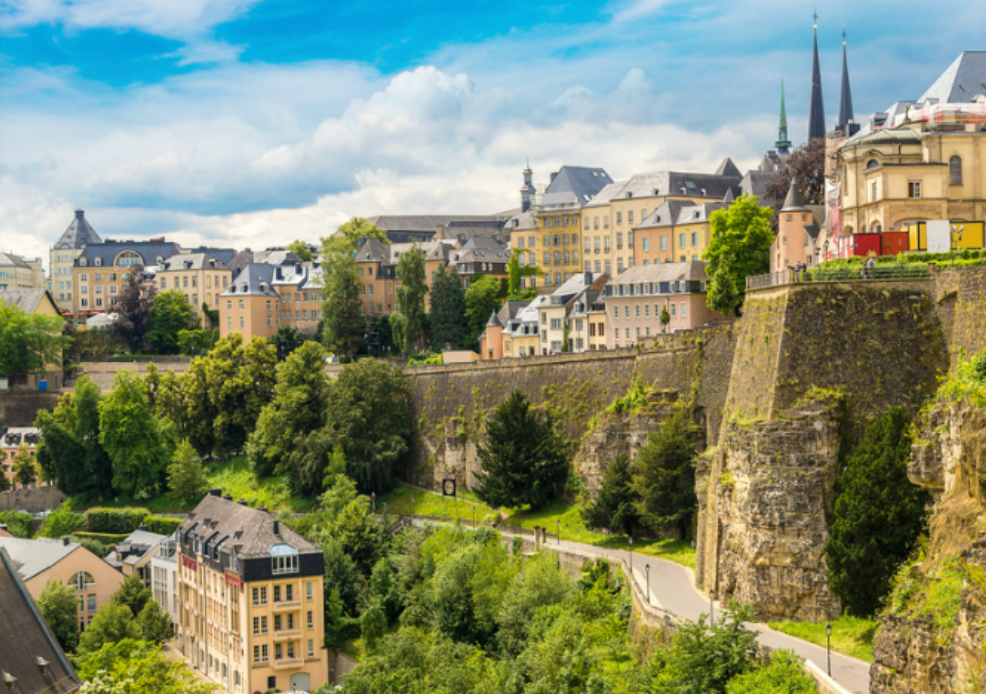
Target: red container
<point x="864" y="244"/>
<point x="894" y="242"/>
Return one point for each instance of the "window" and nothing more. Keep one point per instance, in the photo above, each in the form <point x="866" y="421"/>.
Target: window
<point x="638" y="310"/>
<point x="259" y="624"/>
<point x="681" y="240"/>
<point x="241" y="304"/>
<point x="81" y="581"/>
<point x="556" y="323"/>
<point x="672" y="310"/>
<point x="90" y="603"/>
<point x="684" y="309"/>
<point x="308" y="591"/>
<point x="647" y="311"/>
<point x="646" y="244"/>
<point x="260" y="653"/>
<point x="260" y="596"/>
<point x="229" y="304"/>
<point x="164" y="283"/>
<point x="664" y="243"/>
<point x="311" y="648"/>
<point x="955" y="170"/>
<point x="873" y="191"/>
<point x="630" y="217"/>
<point x="694" y="239"/>
<point x="284" y="560"/>
<point x="628" y="333"/>
<point x="241" y="322"/>
<point x="626" y="311"/>
<point x="914" y="189"/>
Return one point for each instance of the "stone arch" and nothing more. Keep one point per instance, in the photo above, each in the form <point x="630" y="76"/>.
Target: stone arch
<point x="876" y="226"/>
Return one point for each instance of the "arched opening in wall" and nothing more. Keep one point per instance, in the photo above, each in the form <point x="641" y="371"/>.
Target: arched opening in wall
<point x="872" y="164"/>
<point x="955" y="170"/>
<point x="876" y="227"/>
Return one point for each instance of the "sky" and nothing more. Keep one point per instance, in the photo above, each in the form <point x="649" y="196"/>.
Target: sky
<point x="250" y="123"/>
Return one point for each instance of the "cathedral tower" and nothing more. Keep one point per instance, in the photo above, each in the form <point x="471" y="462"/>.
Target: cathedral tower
<point x="816" y="111"/>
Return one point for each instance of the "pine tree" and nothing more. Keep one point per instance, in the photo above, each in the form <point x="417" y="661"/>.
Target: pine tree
<point x="614" y="508"/>
<point x="879" y="515"/>
<point x="722" y="295"/>
<point x="524" y="459"/>
<point x="448" y="310"/>
<point x="665" y="316"/>
<point x="187" y="483"/>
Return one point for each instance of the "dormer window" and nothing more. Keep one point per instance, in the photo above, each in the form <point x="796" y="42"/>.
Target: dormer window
<point x="284" y="559"/>
<point x="82" y="262"/>
<point x="97" y="262"/>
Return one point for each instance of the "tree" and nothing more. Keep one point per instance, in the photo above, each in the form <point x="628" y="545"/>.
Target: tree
<point x="806" y="166"/>
<point x="523" y="458"/>
<point x="60" y="608"/>
<point x="138" y="443"/>
<point x="409" y="320"/>
<point x="187" y="482"/>
<point x="879" y="515"/>
<point x="170" y="314"/>
<point x="665" y="479"/>
<point x="481" y="302"/>
<point x="741" y="239"/>
<point x="29" y="342"/>
<point x="300" y="399"/>
<point x="448" y="310"/>
<point x="60" y="522"/>
<point x="783" y="674"/>
<point x="347" y="236"/>
<point x="301" y="249"/>
<point x="69" y="451"/>
<point x="113" y="623"/>
<point x="154" y="623"/>
<point x="5" y="483"/>
<point x="132" y="594"/>
<point x="342" y="309"/>
<point x="193" y="342"/>
<point x="566" y="340"/>
<point x="373" y="623"/>
<point x="90" y="344"/>
<point x="133" y="309"/>
<point x="722" y="293"/>
<point x="286" y="340"/>
<point x="665" y="317"/>
<point x="614" y="508"/>
<point x="135" y="667"/>
<point x="25" y="466"/>
<point x="211" y="317"/>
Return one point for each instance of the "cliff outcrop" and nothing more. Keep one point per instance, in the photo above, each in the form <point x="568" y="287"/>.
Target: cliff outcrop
<point x="933" y="637"/>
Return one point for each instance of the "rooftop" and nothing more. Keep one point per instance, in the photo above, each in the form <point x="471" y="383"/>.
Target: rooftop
<point x="26" y="300"/>
<point x="574" y="185"/>
<point x="31" y="557"/>
<point x="79" y="233"/>
<point x="663" y="272"/>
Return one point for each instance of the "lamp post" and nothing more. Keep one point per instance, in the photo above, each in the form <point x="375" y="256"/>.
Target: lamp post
<point x="712" y="609"/>
<point x="630" y="540"/>
<point x="828" y="646"/>
<point x="647" y="571"/>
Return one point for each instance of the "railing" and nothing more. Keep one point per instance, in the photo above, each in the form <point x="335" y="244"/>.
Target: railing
<point x="840" y="274"/>
<point x="287" y="634"/>
<point x="287" y="606"/>
<point x="286" y="663"/>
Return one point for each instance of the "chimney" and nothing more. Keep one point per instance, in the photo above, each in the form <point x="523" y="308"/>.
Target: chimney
<point x="215" y="492"/>
<point x="262" y="508"/>
<point x="65" y="541"/>
<point x="277" y="528"/>
<point x="227" y="496"/>
<point x="80" y="214"/>
<point x="142" y="526"/>
<point x="241" y="502"/>
<point x="553" y="174"/>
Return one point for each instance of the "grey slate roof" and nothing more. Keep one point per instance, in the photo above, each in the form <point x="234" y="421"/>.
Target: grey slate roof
<point x="25" y="637"/>
<point x="663" y="272"/>
<point x="603" y="197"/>
<point x="79" y="233"/>
<point x="961" y="81"/>
<point x="11" y="260"/>
<point x="224" y="255"/>
<point x="193" y="261"/>
<point x="425" y="222"/>
<point x="728" y="168"/>
<point x="149" y="251"/>
<point x="757" y="182"/>
<point x="31" y="557"/>
<point x="699" y="213"/>
<point x="671" y="183"/>
<point x="574" y="185"/>
<point x="494" y="321"/>
<point x="666" y="215"/>
<point x="250" y="530"/>
<point x="482" y="250"/>
<point x="510" y="309"/>
<point x="250" y="280"/>
<point x="26" y="300"/>
<point x="793" y="201"/>
<point x="373" y="251"/>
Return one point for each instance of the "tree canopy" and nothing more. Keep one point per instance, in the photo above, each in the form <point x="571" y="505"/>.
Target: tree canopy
<point x="448" y="310"/>
<point x="614" y="508"/>
<point x="170" y="314"/>
<point x="301" y="249"/>
<point x="482" y="299"/>
<point x="60" y="608"/>
<point x="408" y="322"/>
<point x="133" y="308"/>
<point x="29" y="342"/>
<point x="346" y="240"/>
<point x="187" y="483"/>
<point x="286" y="339"/>
<point x="740" y="243"/>
<point x="806" y="165"/>
<point x="342" y="309"/>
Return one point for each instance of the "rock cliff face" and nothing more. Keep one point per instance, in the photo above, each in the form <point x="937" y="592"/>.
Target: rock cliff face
<point x="764" y="495"/>
<point x="933" y="637"/>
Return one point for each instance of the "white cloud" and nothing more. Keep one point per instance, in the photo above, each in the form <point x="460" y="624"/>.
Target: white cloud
<point x="637" y="8"/>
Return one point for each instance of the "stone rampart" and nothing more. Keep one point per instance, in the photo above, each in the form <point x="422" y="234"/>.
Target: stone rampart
<point x="19" y="409"/>
<point x="31" y="500"/>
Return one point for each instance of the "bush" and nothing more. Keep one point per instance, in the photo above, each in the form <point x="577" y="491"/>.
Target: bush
<point x="111" y="539"/>
<point x="115" y="520"/>
<point x="782" y="675"/>
<point x="94" y="546"/>
<point x="162" y="525"/>
<point x="18" y="523"/>
<point x="60" y="522"/>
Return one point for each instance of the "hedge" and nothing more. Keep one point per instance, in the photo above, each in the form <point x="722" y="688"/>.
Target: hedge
<point x="94" y="546"/>
<point x="18" y="523"/>
<point x="162" y="525"/>
<point x="115" y="520"/>
<point x="112" y="539"/>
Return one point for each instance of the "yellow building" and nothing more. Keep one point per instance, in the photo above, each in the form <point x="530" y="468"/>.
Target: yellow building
<point x="251" y="609"/>
<point x="17" y="272"/>
<point x="523" y="229"/>
<point x="250" y="305"/>
<point x="199" y="277"/>
<point x="62" y="256"/>
<point x="100" y="271"/>
<point x="597" y="231"/>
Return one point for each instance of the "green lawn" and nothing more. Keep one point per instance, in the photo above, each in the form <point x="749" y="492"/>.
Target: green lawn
<point x="404" y="501"/>
<point x="850" y="635"/>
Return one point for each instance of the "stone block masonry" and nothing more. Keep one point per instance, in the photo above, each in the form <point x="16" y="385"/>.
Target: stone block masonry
<point x="21" y="409"/>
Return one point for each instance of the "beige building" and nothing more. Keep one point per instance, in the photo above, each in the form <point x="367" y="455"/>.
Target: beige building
<point x="39" y="561"/>
<point x="134" y="554"/>
<point x="200" y="277"/>
<point x="797" y="238"/>
<point x="62" y="256"/>
<point x="376" y="264"/>
<point x="250" y="305"/>
<point x="300" y="289"/>
<point x="17" y="273"/>
<point x="10" y="444"/>
<point x="100" y="271"/>
<point x="558" y="310"/>
<point x="250" y="599"/>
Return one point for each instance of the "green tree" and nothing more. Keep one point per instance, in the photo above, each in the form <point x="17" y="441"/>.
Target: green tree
<point x="154" y="623"/>
<point x="194" y="342"/>
<point x="524" y="459"/>
<point x="166" y="396"/>
<point x="566" y="340"/>
<point x="187" y="483"/>
<point x="138" y="443"/>
<point x="301" y="249"/>
<point x="806" y="165"/>
<point x="211" y="318"/>
<point x="25" y="466"/>
<point x="879" y="515"/>
<point x="132" y="594"/>
<point x="408" y="321"/>
<point x="347" y="236"/>
<point x="741" y="239"/>
<point x="783" y="674"/>
<point x="481" y="301"/>
<point x="170" y="314"/>
<point x="448" y="310"/>
<point x="665" y="479"/>
<point x="133" y="309"/>
<point x="373" y="623"/>
<point x="29" y="342"/>
<point x="135" y="667"/>
<point x="300" y="399"/>
<point x="60" y="522"/>
<point x="342" y="309"/>
<point x="113" y="623"/>
<point x="60" y="608"/>
<point x="69" y="451"/>
<point x="665" y="317"/>
<point x="722" y="293"/>
<point x="5" y="483"/>
<point x="286" y="340"/>
<point x="87" y="345"/>
<point x="615" y="506"/>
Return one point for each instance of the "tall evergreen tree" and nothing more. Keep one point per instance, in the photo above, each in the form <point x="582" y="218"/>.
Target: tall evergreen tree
<point x="342" y="310"/>
<point x="722" y="294"/>
<point x="524" y="459"/>
<point x="879" y="515"/>
<point x="133" y="308"/>
<point x="614" y="508"/>
<point x="448" y="310"/>
<point x="409" y="320"/>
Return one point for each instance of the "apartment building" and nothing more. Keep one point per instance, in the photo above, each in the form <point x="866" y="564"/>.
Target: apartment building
<point x="11" y="441"/>
<point x="17" y="272"/>
<point x="521" y="333"/>
<point x="553" y="314"/>
<point x="199" y="276"/>
<point x="480" y="257"/>
<point x="62" y="257"/>
<point x="134" y="554"/>
<point x="251" y="610"/>
<point x="300" y="288"/>
<point x="164" y="578"/>
<point x="376" y="264"/>
<point x="597" y="239"/>
<point x="250" y="305"/>
<point x="677" y="232"/>
<point x="100" y="271"/>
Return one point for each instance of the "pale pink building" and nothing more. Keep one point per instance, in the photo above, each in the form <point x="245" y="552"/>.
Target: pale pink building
<point x="635" y="300"/>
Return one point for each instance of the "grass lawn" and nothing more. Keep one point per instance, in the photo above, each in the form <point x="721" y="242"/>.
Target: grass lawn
<point x="233" y="476"/>
<point x="850" y="635"/>
<point x="407" y="502"/>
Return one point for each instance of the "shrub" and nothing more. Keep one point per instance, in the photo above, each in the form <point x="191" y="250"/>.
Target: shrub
<point x="18" y="523"/>
<point x="60" y="522"/>
<point x="162" y="525"/>
<point x="782" y="675"/>
<point x="94" y="546"/>
<point x="115" y="520"/>
<point x="111" y="539"/>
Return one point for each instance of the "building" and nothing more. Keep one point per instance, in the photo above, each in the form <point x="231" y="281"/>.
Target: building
<point x="100" y="271"/>
<point x="200" y="277"/>
<point x="636" y="299"/>
<point x="62" y="256"/>
<point x="134" y="554"/>
<point x="300" y="288"/>
<point x="797" y="238"/>
<point x="597" y="241"/>
<point x="480" y="257"/>
<point x="556" y="312"/>
<point x="377" y="267"/>
<point x="31" y="661"/>
<point x="250" y="599"/>
<point x="250" y="305"/>
<point x="11" y="440"/>
<point x="39" y="561"/>
<point x="676" y="232"/>
<point x="164" y="578"/>
<point x="586" y="320"/>
<point x="18" y="273"/>
<point x="423" y="227"/>
<point x="520" y="331"/>
<point x="34" y="301"/>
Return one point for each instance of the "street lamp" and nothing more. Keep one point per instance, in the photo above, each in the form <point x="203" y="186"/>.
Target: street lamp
<point x="647" y="571"/>
<point x="828" y="646"/>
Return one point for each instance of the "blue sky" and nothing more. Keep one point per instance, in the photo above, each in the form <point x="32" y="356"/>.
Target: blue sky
<point x="253" y="122"/>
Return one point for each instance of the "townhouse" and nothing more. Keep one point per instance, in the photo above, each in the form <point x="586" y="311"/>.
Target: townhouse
<point x="200" y="277"/>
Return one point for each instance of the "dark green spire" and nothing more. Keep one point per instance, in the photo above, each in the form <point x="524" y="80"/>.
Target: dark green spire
<point x="783" y="145"/>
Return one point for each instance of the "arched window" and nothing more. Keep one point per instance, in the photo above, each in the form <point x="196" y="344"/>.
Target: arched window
<point x="97" y="262"/>
<point x="955" y="170"/>
<point x="81" y="581"/>
<point x="872" y="164"/>
<point x="129" y="259"/>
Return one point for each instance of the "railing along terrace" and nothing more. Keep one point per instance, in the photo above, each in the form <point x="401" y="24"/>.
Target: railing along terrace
<point x="839" y="274"/>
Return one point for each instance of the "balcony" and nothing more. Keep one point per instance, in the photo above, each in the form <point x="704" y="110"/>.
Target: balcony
<point x="287" y="634"/>
<point x="286" y="606"/>
<point x="287" y="663"/>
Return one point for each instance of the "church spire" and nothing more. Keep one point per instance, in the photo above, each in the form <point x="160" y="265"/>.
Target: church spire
<point x="816" y="112"/>
<point x="783" y="145"/>
<point x="845" y="96"/>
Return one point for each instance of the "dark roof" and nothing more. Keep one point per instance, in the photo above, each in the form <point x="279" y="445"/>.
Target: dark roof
<point x="79" y="233"/>
<point x="8" y="259"/>
<point x="427" y="223"/>
<point x="25" y="637"/>
<point x="223" y="255"/>
<point x="250" y="530"/>
<point x="845" y="93"/>
<point x="961" y="81"/>
<point x="663" y="272"/>
<point x="575" y="185"/>
<point x="149" y="251"/>
<point x="31" y="557"/>
<point x="816" y="108"/>
<point x="773" y="161"/>
<point x="793" y="201"/>
<point x="666" y="215"/>
<point x="373" y="251"/>
<point x="464" y="232"/>
<point x="26" y="300"/>
<point x="251" y="281"/>
<point x="494" y="321"/>
<point x="510" y="310"/>
<point x="606" y="194"/>
<point x="757" y="182"/>
<point x="193" y="261"/>
<point x="728" y="168"/>
<point x="239" y="261"/>
<point x="897" y="136"/>
<point x="699" y="213"/>
<point x="812" y="230"/>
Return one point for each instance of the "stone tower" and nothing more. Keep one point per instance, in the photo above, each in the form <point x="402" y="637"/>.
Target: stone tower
<point x="816" y="111"/>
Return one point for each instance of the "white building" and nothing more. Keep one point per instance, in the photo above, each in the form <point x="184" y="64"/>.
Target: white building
<point x="164" y="579"/>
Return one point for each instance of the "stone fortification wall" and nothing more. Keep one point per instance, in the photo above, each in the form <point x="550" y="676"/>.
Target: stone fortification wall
<point x="21" y="409"/>
<point x="969" y="327"/>
<point x="31" y="500"/>
<point x="102" y="373"/>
